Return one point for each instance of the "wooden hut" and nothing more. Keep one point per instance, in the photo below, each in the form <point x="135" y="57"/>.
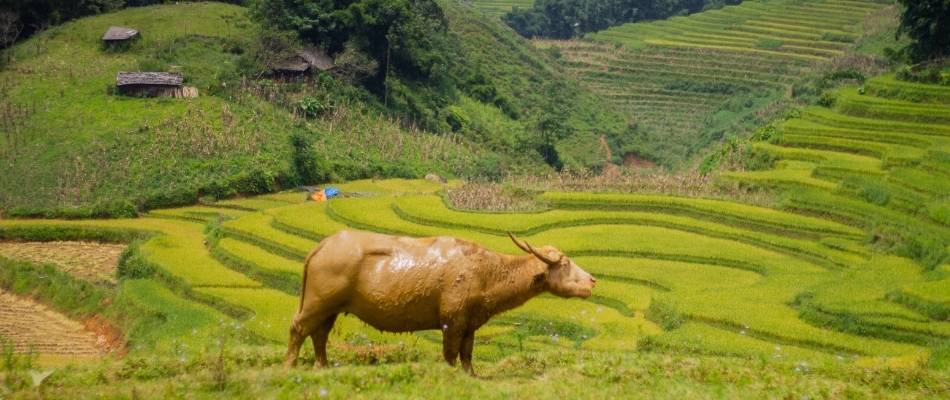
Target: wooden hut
<point x="303" y="62"/>
<point x="118" y="34"/>
<point x="151" y="84"/>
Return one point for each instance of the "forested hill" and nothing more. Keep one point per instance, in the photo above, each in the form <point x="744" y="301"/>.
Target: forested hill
<point x="73" y="146"/>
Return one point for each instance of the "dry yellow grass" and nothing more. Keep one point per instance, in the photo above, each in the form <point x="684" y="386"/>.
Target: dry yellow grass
<point x="90" y="261"/>
<point x="30" y="326"/>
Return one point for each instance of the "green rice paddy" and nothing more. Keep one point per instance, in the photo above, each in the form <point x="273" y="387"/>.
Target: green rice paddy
<point x="739" y="280"/>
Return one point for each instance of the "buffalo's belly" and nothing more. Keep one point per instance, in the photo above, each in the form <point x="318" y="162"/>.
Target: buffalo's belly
<point x="395" y="317"/>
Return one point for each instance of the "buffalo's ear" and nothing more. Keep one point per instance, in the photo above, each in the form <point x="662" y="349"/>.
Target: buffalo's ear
<point x="554" y="258"/>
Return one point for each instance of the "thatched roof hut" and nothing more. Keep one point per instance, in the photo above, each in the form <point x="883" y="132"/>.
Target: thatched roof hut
<point x="305" y="61"/>
<point x="150" y="84"/>
<point x="117" y="34"/>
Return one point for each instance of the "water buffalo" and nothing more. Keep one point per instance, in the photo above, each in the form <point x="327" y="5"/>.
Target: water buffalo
<point x="404" y="284"/>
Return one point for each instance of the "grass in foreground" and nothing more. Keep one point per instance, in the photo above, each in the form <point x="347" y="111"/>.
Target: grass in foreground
<point x="254" y="373"/>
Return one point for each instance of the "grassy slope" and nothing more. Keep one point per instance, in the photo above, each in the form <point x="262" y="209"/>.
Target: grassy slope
<point x="81" y="145"/>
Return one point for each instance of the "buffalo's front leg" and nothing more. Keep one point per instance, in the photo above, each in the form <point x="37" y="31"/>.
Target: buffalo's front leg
<point x="468" y="344"/>
<point x="451" y="343"/>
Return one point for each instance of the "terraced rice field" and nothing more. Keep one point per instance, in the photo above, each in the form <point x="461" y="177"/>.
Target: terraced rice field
<point x="675" y="274"/>
<point x="500" y="7"/>
<point x="676" y="77"/>
<point x="90" y="261"/>
<point x="882" y="162"/>
<point x="32" y="327"/>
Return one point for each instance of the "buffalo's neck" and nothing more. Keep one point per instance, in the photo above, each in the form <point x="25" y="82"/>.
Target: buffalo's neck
<point x="516" y="281"/>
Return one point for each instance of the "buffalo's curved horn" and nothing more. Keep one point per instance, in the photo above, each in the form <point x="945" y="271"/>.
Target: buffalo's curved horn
<point x="523" y="245"/>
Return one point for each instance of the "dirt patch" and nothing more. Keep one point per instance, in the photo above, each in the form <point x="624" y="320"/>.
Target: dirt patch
<point x="28" y="325"/>
<point x="89" y="261"/>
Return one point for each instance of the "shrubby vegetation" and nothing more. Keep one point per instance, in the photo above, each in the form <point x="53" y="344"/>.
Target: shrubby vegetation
<point x="565" y="19"/>
<point x="927" y="22"/>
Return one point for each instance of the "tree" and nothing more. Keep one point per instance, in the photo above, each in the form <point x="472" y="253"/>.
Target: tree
<point x="9" y="28"/>
<point x="927" y="22"/>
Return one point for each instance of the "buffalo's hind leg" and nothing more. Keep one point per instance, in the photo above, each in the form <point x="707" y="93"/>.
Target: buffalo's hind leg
<point x="468" y="344"/>
<point x="306" y="322"/>
<point x="297" y="337"/>
<point x="319" y="337"/>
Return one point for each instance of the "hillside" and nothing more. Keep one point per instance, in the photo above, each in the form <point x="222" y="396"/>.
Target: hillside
<point x="73" y="144"/>
<point x="74" y="147"/>
<point x="688" y="81"/>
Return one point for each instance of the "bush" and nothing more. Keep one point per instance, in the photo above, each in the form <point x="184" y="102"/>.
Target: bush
<point x="664" y="313"/>
<point x="914" y="243"/>
<point x="940" y="212"/>
<point x="920" y="74"/>
<point x="827" y="99"/>
<point x="133" y="265"/>
<point x="313" y="106"/>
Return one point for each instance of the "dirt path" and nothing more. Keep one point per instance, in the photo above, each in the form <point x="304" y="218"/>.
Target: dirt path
<point x="26" y="323"/>
<point x="90" y="261"/>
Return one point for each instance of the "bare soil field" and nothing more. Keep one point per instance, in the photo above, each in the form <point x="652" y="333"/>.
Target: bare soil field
<point x="90" y="261"/>
<point x="28" y="325"/>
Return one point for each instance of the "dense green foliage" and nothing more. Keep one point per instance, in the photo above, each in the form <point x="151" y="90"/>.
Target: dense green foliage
<point x="927" y="22"/>
<point x="565" y="19"/>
